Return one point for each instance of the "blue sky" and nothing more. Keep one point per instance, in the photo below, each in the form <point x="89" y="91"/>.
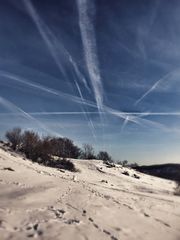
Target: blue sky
<point x="100" y="72"/>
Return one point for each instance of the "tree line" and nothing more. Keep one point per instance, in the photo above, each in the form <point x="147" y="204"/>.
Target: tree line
<point x="42" y="149"/>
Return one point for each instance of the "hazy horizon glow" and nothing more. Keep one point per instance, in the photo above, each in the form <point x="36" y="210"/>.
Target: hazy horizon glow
<point x="100" y="72"/>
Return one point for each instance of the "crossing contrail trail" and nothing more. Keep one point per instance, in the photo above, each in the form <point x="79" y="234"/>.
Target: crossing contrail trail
<point x="12" y="107"/>
<point x="97" y="112"/>
<point x="54" y="92"/>
<point x="45" y="33"/>
<point x="148" y="92"/>
<point x="55" y="47"/>
<point x="90" y="123"/>
<point x="124" y="123"/>
<point x="42" y="88"/>
<point x="57" y="50"/>
<point x="141" y="121"/>
<point x="133" y="117"/>
<point x="78" y="73"/>
<point x="89" y="44"/>
<point x="86" y="10"/>
<point x="155" y="85"/>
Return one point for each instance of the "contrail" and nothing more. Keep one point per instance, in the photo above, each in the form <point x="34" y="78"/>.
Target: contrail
<point x="89" y="45"/>
<point x="148" y="92"/>
<point x="124" y="116"/>
<point x="120" y="114"/>
<point x="124" y="123"/>
<point x="90" y="123"/>
<point x="56" y="48"/>
<point x="58" y="93"/>
<point x="73" y="98"/>
<point x="155" y="85"/>
<point x="143" y="32"/>
<point x="78" y="73"/>
<point x="154" y="14"/>
<point x="46" y="89"/>
<point x="12" y="107"/>
<point x="78" y="100"/>
<point x="159" y="125"/>
<point x="97" y="112"/>
<point x="86" y="12"/>
<point x="45" y="33"/>
<point x="52" y="91"/>
<point x="135" y="117"/>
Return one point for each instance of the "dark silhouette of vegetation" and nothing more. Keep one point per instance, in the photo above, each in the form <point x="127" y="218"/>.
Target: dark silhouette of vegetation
<point x="63" y="164"/>
<point x="109" y="164"/>
<point x="64" y="147"/>
<point x="124" y="163"/>
<point x="41" y="150"/>
<point x="31" y="145"/>
<point x="102" y="155"/>
<point x="133" y="165"/>
<point x="51" y="151"/>
<point x="125" y="173"/>
<point x="14" y="137"/>
<point x="169" y="171"/>
<point x="87" y="152"/>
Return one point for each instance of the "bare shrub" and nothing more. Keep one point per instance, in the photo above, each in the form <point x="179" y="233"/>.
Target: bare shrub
<point x="64" y="147"/>
<point x="31" y="145"/>
<point x="123" y="163"/>
<point x="63" y="164"/>
<point x="45" y="150"/>
<point x="69" y="149"/>
<point x="14" y="136"/>
<point x="102" y="155"/>
<point x="88" y="152"/>
<point x="41" y="150"/>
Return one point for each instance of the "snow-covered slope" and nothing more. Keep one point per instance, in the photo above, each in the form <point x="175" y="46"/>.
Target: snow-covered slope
<point x="96" y="203"/>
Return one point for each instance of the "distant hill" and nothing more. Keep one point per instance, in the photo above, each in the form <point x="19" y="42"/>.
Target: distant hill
<point x="169" y="171"/>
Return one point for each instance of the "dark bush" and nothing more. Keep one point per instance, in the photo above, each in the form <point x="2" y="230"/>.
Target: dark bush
<point x="41" y="150"/>
<point x="102" y="155"/>
<point x="68" y="165"/>
<point x="64" y="147"/>
<point x="69" y="149"/>
<point x="45" y="150"/>
<point x="14" y="136"/>
<point x="125" y="173"/>
<point x="124" y="163"/>
<point x="133" y="165"/>
<point x="31" y="145"/>
<point x="109" y="164"/>
<point x="63" y="164"/>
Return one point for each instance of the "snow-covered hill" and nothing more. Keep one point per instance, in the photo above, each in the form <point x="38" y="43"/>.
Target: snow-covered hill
<point x="95" y="203"/>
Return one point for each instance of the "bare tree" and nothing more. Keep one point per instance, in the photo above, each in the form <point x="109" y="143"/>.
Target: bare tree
<point x="31" y="145"/>
<point x="14" y="136"/>
<point x="88" y="152"/>
<point x="102" y="155"/>
<point x="41" y="149"/>
<point x="64" y="147"/>
<point x="70" y="150"/>
<point x="45" y="150"/>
